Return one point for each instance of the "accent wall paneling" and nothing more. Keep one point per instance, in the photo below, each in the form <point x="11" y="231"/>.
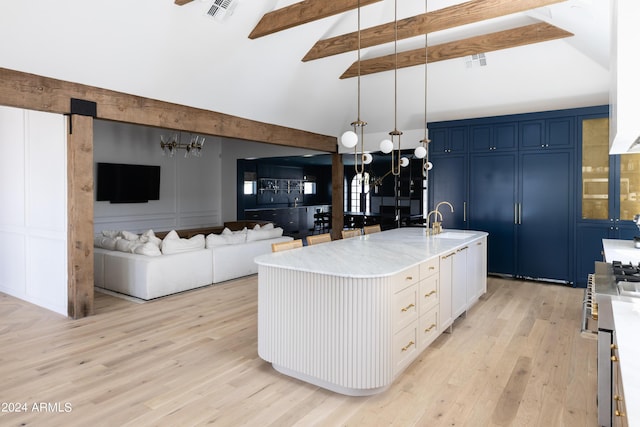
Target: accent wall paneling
<point x="190" y="188"/>
<point x="33" y="212"/>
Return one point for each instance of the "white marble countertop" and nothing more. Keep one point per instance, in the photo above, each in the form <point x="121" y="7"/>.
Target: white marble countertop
<point x="626" y="315"/>
<point x="374" y="255"/>
<point x="620" y="250"/>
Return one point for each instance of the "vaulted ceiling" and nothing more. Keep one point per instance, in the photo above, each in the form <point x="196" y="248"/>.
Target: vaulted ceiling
<point x="293" y="63"/>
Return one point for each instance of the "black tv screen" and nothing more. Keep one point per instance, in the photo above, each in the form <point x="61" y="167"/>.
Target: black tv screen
<point x="120" y="183"/>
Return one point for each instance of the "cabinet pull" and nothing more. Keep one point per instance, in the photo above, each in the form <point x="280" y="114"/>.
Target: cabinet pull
<point x="408" y="278"/>
<point x="520" y="213"/>
<point x="433" y="325"/>
<point x="614" y="358"/>
<point x="432" y="268"/>
<point x="430" y="293"/>
<point x="406" y="347"/>
<point x="407" y="308"/>
<point x="464" y="211"/>
<point x="448" y="255"/>
<point x="618" y="412"/>
<point x="463" y="249"/>
<point x="515" y="213"/>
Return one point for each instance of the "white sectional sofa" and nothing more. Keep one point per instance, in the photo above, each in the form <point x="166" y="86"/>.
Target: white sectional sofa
<point x="224" y="257"/>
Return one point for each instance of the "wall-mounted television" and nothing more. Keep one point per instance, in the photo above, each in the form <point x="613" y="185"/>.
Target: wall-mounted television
<point x="122" y="183"/>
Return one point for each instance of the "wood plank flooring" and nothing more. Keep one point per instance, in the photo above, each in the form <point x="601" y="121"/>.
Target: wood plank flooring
<point x="516" y="359"/>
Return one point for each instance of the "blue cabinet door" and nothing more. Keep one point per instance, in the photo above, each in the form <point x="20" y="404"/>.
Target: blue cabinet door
<point x="545" y="215"/>
<point x="448" y="182"/>
<point x="492" y="204"/>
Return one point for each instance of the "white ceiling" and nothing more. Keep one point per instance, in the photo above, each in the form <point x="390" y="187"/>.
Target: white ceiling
<point x="156" y="49"/>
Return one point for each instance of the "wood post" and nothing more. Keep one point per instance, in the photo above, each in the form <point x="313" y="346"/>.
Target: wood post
<point x="80" y="216"/>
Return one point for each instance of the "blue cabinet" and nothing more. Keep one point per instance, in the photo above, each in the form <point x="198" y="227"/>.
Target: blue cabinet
<point x="545" y="215"/>
<point x="523" y="189"/>
<point x="492" y="204"/>
<point x="448" y="182"/>
<point x="451" y="140"/>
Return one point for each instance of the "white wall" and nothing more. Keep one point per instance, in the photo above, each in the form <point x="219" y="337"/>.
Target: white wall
<point x="33" y="207"/>
<point x="190" y="188"/>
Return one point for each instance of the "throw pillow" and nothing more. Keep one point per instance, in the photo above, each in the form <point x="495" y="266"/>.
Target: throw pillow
<point x="173" y="245"/>
<point x="149" y="249"/>
<point x="214" y="240"/>
<point x="129" y="236"/>
<point x="268" y="226"/>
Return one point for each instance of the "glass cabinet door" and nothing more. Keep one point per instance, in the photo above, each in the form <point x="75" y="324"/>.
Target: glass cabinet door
<point x="595" y="169"/>
<point x="629" y="186"/>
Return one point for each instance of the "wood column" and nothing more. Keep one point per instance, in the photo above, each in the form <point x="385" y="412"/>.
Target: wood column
<point x="337" y="199"/>
<point x="80" y="216"/>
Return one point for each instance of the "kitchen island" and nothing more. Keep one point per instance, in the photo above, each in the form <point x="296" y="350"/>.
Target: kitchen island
<point x="352" y="314"/>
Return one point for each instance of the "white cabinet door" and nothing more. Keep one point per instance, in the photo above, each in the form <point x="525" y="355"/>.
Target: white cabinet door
<point x="459" y="282"/>
<point x="446" y="282"/>
<point x="476" y="271"/>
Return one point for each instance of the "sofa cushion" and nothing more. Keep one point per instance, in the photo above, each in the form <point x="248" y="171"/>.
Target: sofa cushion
<point x="213" y="240"/>
<point x="149" y="236"/>
<point x="124" y="245"/>
<point x="148" y="249"/>
<point x="104" y="242"/>
<point x="129" y="235"/>
<point x="173" y="244"/>
<point x="263" y="234"/>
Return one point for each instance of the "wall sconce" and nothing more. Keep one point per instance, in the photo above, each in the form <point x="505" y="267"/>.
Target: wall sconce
<point x="193" y="148"/>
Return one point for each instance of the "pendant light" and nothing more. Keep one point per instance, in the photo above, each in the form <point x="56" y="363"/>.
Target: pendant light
<point x="387" y="146"/>
<point x="422" y="151"/>
<point x="350" y="138"/>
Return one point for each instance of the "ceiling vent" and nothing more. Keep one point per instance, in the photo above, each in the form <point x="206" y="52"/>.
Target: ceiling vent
<point x="474" y="60"/>
<point x="221" y="9"/>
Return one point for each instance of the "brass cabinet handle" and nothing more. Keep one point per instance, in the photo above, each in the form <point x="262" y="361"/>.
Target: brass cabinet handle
<point x="430" y="293"/>
<point x="407" y="307"/>
<point x="432" y="268"/>
<point x="463" y="249"/>
<point x="406" y="347"/>
<point x="618" y="412"/>
<point x="408" y="278"/>
<point x="614" y="347"/>
<point x="433" y="325"/>
<point x="448" y="255"/>
<point x="614" y="359"/>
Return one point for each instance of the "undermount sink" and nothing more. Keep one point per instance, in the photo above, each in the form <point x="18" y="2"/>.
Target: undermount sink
<point x="452" y="235"/>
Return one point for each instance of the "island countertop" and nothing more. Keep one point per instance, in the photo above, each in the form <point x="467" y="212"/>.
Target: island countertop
<point x="373" y="255"/>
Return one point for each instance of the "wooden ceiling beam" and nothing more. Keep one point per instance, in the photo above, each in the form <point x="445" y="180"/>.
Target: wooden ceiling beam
<point x="437" y="20"/>
<point x="33" y="92"/>
<point x="182" y="2"/>
<point x="302" y="13"/>
<point x="520" y="36"/>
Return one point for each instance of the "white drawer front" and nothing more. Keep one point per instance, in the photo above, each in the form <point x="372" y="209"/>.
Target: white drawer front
<point x="405" y="347"/>
<point x="405" y="307"/>
<point x="428" y="328"/>
<point x="429" y="268"/>
<point x="428" y="294"/>
<point x="406" y="278"/>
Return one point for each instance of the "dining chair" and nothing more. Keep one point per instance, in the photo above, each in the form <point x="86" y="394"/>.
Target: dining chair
<point x="318" y="238"/>
<point x="346" y="234"/>
<point x="285" y="246"/>
<point x="372" y="229"/>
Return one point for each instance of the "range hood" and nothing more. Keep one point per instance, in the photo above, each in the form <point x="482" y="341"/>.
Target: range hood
<point x="624" y="98"/>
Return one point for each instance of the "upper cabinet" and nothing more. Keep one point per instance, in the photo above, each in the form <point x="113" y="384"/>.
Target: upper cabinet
<point x="448" y="140"/>
<point x="624" y="130"/>
<point x="499" y="137"/>
<point x="555" y="132"/>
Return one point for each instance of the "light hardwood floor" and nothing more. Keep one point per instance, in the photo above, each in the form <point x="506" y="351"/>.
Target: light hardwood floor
<point x="517" y="359"/>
